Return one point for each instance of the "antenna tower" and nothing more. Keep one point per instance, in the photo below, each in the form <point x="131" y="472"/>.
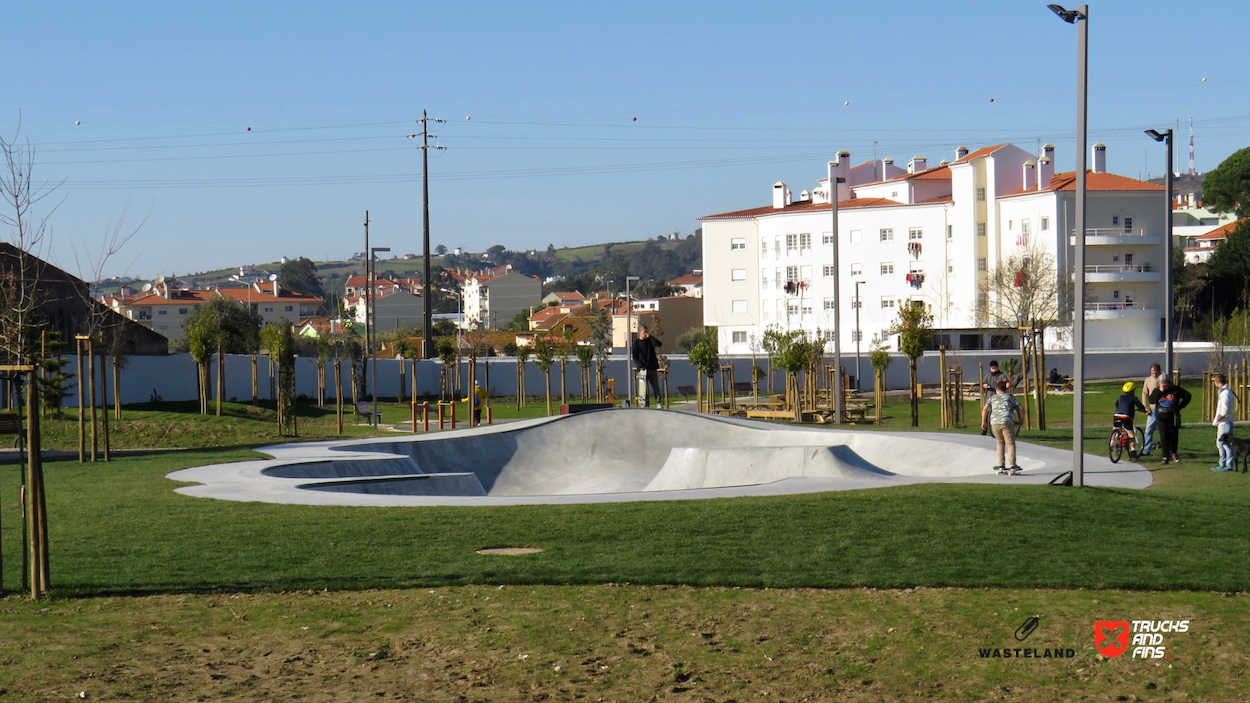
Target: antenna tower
<point x="1193" y="171"/>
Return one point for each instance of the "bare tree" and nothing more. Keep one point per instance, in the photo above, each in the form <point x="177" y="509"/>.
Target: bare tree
<point x="29" y="235"/>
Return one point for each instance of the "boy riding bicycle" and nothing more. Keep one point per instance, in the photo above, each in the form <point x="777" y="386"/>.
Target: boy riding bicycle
<point x="1126" y="407"/>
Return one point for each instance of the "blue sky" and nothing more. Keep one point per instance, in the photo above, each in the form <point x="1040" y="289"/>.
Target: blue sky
<point x="729" y="97"/>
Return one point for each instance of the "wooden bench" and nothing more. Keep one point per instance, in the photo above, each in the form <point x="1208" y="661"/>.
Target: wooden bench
<point x="10" y="424"/>
<point x="685" y="391"/>
<point x="363" y="410"/>
<point x="770" y="414"/>
<point x="742" y="387"/>
<point x="1066" y="385"/>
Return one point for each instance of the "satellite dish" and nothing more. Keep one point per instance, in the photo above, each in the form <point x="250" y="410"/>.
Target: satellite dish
<point x="159" y="280"/>
<point x="273" y="276"/>
<point x="147" y="287"/>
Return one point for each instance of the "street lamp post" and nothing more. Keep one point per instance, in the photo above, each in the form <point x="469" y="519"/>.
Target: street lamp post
<point x="1168" y="305"/>
<point x="858" y="303"/>
<point x="837" y="299"/>
<point x="371" y="321"/>
<point x="459" y="320"/>
<point x="1079" y="17"/>
<point x="629" y="346"/>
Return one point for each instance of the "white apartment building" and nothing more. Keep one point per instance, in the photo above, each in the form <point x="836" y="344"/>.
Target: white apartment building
<point x="494" y="298"/>
<point x="932" y="235"/>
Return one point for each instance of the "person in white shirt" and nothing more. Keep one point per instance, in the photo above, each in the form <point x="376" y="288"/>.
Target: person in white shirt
<point x="1223" y="421"/>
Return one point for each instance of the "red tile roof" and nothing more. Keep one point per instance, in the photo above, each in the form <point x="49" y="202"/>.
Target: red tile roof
<point x="176" y="297"/>
<point x="983" y="151"/>
<point x="1222" y="232"/>
<point x="937" y="173"/>
<point x="1093" y="181"/>
<point x="687" y="280"/>
<point x="807" y="206"/>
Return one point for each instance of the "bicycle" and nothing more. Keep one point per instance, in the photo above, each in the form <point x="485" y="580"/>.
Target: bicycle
<point x="1122" y="439"/>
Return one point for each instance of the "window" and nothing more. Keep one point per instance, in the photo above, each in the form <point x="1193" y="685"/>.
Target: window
<point x="857" y="269"/>
<point x="828" y="303"/>
<point x="1128" y="223"/>
<point x="950" y="231"/>
<point x="950" y="266"/>
<point x="983" y="299"/>
<point x="829" y="270"/>
<point x="792" y="242"/>
<point x="856" y="303"/>
<point x="1010" y="225"/>
<point x="887" y="269"/>
<point x="807" y="309"/>
<point x="981" y="264"/>
<point x="162" y="312"/>
<point x="980" y="195"/>
<point x="826" y="238"/>
<point x="737" y="244"/>
<point x="856" y="236"/>
<point x="805" y="240"/>
<point x="857" y="336"/>
<point x="887" y="235"/>
<point x="182" y="311"/>
<point x="290" y="308"/>
<point x="740" y="338"/>
<point x="805" y="273"/>
<point x="1115" y="295"/>
<point x="1024" y="227"/>
<point x="777" y="278"/>
<point x="915" y="267"/>
<point x="764" y="278"/>
<point x="792" y="273"/>
<point x="792" y="309"/>
<point x="828" y="335"/>
<point x="894" y="194"/>
<point x="915" y="234"/>
<point x="1045" y="224"/>
<point x="738" y="275"/>
<point x="887" y="303"/>
<point x="740" y="307"/>
<point x="1115" y="220"/>
<point x="980" y="229"/>
<point x="1128" y="261"/>
<point x="763" y="247"/>
<point x="268" y="309"/>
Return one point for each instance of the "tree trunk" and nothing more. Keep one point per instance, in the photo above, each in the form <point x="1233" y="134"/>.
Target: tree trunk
<point x="915" y="400"/>
<point x="564" y="398"/>
<point x="221" y="378"/>
<point x="255" y="381"/>
<point x="104" y="403"/>
<point x="117" y="390"/>
<point x="548" y="372"/>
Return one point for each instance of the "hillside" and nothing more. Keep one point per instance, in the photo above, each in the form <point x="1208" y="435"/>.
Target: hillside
<point x="1185" y="184"/>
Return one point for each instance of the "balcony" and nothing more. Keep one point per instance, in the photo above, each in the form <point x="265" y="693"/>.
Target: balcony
<point x="1116" y="273"/>
<point x="1096" y="236"/>
<point x="1118" y="311"/>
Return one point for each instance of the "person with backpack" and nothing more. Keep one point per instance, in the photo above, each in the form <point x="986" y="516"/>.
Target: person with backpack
<point x="1001" y="415"/>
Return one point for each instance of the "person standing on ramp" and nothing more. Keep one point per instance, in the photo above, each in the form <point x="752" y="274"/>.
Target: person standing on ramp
<point x="648" y="359"/>
<point x="1001" y="415"/>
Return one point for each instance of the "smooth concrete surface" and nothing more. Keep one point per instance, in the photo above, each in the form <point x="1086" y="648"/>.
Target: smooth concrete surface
<point x="623" y="454"/>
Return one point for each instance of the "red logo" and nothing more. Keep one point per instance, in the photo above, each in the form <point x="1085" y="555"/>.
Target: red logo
<point x="1111" y="637"/>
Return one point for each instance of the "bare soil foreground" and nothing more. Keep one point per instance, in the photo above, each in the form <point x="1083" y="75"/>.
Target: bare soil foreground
<point x="619" y="643"/>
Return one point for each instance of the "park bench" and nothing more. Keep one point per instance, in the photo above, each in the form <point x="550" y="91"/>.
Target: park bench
<point x="742" y="387"/>
<point x="1066" y="385"/>
<point x="685" y="391"/>
<point x="363" y="410"/>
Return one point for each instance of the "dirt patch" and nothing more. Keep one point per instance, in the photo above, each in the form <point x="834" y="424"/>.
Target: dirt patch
<point x="509" y="551"/>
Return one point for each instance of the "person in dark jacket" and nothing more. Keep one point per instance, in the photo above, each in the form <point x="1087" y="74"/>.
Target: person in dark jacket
<point x="1169" y="400"/>
<point x="1126" y="407"/>
<point x="647" y="358"/>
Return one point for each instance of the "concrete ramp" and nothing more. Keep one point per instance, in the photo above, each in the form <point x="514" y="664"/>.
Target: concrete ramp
<point x="623" y="454"/>
<point x="716" y="467"/>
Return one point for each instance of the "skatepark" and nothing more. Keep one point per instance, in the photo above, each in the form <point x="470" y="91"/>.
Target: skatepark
<point x="624" y="454"/>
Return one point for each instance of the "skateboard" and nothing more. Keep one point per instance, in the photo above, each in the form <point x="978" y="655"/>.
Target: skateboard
<point x="1013" y="471"/>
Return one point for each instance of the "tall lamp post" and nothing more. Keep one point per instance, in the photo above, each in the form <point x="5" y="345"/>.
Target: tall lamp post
<point x="837" y="299"/>
<point x="629" y="341"/>
<point x="427" y="335"/>
<point x="1079" y="17"/>
<point x="859" y="335"/>
<point x="1168" y="305"/>
<point x="371" y="321"/>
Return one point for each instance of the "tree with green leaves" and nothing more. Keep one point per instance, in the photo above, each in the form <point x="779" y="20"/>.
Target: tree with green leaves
<point x="793" y="356"/>
<point x="278" y="339"/>
<point x="914" y="326"/>
<point x="585" y="360"/>
<point x="1228" y="269"/>
<point x="601" y="339"/>
<point x="563" y="350"/>
<point x="706" y="360"/>
<point x="450" y="357"/>
<point x="544" y="357"/>
<point x="771" y="342"/>
<point x="221" y="326"/>
<point x="1227" y="187"/>
<point x="300" y="275"/>
<point x="54" y="381"/>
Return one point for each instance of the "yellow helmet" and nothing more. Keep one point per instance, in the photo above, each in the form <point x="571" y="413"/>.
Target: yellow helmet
<point x="1128" y="387"/>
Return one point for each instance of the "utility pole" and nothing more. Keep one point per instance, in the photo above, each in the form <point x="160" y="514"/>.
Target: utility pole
<point x="427" y="343"/>
<point x="368" y="299"/>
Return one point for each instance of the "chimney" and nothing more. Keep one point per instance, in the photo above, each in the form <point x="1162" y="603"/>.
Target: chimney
<point x="917" y="164"/>
<point x="1099" y="160"/>
<point x="961" y="152"/>
<point x="1048" y="152"/>
<point x="275" y="289"/>
<point x="804" y="197"/>
<point x="945" y="162"/>
<point x="779" y="195"/>
<point x="1045" y="172"/>
<point x="125" y="291"/>
<point x="1030" y="175"/>
<point x="1191" y="200"/>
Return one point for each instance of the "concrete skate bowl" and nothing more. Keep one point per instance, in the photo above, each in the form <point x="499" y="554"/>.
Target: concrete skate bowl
<point x="622" y="455"/>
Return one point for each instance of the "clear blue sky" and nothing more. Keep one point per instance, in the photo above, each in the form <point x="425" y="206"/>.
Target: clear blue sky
<point x="729" y="98"/>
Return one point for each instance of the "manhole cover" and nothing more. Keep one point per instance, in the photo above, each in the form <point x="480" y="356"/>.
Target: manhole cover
<point x="509" y="551"/>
